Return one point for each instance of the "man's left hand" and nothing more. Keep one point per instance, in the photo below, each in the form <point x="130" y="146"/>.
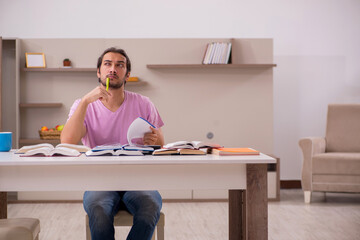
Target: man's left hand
<point x="152" y="137"/>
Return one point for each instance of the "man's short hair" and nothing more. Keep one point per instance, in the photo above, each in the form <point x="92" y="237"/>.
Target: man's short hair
<point x="115" y="50"/>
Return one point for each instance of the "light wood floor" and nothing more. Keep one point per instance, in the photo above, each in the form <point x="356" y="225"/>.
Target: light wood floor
<point x="334" y="217"/>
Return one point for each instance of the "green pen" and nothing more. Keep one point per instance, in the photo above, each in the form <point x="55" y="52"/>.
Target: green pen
<point x="107" y="84"/>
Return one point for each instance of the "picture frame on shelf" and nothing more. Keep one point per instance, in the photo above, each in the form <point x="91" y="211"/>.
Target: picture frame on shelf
<point x="35" y="60"/>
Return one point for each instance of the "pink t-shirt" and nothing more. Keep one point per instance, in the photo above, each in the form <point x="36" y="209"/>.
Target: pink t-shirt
<point x="106" y="127"/>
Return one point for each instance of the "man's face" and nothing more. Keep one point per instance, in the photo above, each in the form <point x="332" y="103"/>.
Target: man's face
<point x="113" y="66"/>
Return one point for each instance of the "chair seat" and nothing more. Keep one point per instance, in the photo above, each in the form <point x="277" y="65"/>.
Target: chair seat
<point x="19" y="229"/>
<point x="124" y="218"/>
<point x="336" y="163"/>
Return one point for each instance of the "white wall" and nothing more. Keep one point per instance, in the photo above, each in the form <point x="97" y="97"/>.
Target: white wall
<point x="316" y="46"/>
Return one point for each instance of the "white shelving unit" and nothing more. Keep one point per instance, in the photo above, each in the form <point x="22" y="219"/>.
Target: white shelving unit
<point x="173" y="79"/>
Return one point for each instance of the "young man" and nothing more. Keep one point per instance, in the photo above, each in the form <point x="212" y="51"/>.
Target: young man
<point x="103" y="117"/>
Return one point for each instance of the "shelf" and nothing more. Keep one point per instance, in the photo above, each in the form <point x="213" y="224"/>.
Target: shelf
<point x="31" y="141"/>
<point x="59" y="69"/>
<point x="211" y="66"/>
<point x="73" y="70"/>
<point x="40" y="105"/>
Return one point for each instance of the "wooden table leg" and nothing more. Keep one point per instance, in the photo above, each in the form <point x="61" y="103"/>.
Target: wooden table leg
<point x="256" y="202"/>
<point x="3" y="205"/>
<point x="237" y="230"/>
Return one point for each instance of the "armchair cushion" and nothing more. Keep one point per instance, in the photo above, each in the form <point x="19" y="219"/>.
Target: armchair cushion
<point x="336" y="163"/>
<point x="343" y="128"/>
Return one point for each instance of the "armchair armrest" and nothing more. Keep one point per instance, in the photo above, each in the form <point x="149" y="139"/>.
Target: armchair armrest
<point x="310" y="146"/>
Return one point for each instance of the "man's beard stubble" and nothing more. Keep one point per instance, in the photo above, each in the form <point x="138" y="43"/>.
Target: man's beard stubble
<point x="113" y="86"/>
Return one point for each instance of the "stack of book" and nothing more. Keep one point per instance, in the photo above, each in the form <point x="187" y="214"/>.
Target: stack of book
<point x="119" y="150"/>
<point x="186" y="148"/>
<point x="217" y="53"/>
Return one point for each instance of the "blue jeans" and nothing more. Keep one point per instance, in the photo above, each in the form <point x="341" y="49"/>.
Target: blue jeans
<point x="102" y="206"/>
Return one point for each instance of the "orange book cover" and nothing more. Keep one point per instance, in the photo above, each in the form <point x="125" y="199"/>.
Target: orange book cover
<point x="235" y="151"/>
<point x="133" y="79"/>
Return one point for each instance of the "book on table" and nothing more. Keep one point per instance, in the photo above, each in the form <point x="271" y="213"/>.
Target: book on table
<point x="186" y="148"/>
<point x="136" y="131"/>
<point x="120" y="150"/>
<point x="113" y="152"/>
<point x="234" y="151"/>
<point x="191" y="145"/>
<point x="180" y="151"/>
<point x="47" y="150"/>
<point x="127" y="147"/>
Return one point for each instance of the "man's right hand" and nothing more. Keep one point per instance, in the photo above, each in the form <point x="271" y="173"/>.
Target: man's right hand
<point x="97" y="93"/>
<point x="75" y="129"/>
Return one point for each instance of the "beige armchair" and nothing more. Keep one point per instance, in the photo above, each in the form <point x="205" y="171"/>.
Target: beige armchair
<point x="19" y="229"/>
<point x="332" y="164"/>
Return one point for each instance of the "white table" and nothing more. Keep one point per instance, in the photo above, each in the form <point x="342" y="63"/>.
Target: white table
<point x="244" y="176"/>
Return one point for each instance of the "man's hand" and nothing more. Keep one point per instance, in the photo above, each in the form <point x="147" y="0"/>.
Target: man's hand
<point x="154" y="137"/>
<point x="75" y="129"/>
<point x="97" y="93"/>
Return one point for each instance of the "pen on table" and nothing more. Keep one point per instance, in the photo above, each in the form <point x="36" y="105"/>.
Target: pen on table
<point x="107" y="84"/>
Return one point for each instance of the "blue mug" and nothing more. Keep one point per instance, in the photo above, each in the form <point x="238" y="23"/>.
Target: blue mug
<point x="5" y="141"/>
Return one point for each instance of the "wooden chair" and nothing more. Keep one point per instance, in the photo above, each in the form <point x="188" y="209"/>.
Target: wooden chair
<point x="125" y="219"/>
<point x="19" y="228"/>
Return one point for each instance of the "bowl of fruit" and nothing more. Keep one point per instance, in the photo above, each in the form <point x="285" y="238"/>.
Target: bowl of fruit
<point x="50" y="133"/>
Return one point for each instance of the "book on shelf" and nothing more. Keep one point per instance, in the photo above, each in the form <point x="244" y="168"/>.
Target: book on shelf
<point x="48" y="150"/>
<point x="191" y="145"/>
<point x="228" y="54"/>
<point x="234" y="151"/>
<point x="179" y="151"/>
<point x="25" y="149"/>
<point x="217" y="53"/>
<point x="211" y="53"/>
<point x="133" y="79"/>
<point x="206" y="54"/>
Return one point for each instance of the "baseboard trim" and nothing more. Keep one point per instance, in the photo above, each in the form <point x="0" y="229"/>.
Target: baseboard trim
<point x="80" y="201"/>
<point x="42" y="201"/>
<point x="290" y="184"/>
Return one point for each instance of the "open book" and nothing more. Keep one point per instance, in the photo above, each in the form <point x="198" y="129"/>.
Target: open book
<point x="191" y="145"/>
<point x="79" y="148"/>
<point x="180" y="151"/>
<point x="118" y="149"/>
<point x="137" y="130"/>
<point x="47" y="150"/>
<point x="113" y="152"/>
<point x="127" y="147"/>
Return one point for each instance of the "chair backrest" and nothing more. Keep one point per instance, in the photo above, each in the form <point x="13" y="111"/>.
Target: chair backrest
<point x="343" y="128"/>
